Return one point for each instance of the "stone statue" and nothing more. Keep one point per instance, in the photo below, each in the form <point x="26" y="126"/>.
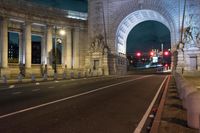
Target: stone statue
<point x="191" y="35"/>
<point x="98" y="45"/>
<point x="198" y="39"/>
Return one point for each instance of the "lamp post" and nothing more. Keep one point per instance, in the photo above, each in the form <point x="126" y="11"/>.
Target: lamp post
<point x="62" y="33"/>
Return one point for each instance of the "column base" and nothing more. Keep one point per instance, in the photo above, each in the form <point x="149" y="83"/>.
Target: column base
<point x="6" y="72"/>
<point x="50" y="72"/>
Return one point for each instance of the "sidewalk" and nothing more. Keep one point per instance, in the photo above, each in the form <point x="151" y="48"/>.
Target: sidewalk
<point x="174" y="118"/>
<point x="194" y="80"/>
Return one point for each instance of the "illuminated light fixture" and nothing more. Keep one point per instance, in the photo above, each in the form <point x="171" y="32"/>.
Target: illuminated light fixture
<point x="16" y="20"/>
<point x="62" y="32"/>
<point x="38" y="24"/>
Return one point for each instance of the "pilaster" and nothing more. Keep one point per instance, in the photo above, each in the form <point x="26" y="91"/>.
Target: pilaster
<point x="49" y="47"/>
<point x="28" y="51"/>
<point x="76" y="49"/>
<point x="4" y="43"/>
<point x="68" y="59"/>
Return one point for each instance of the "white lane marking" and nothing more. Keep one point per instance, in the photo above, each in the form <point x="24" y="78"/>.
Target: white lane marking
<point x="37" y="83"/>
<point x="51" y="87"/>
<point x="34" y="90"/>
<point x="11" y="86"/>
<point x="56" y="81"/>
<point x="70" y="97"/>
<point x="144" y="118"/>
<point x="16" y="93"/>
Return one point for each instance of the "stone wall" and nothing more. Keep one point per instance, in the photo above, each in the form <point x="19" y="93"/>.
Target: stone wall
<point x="105" y="16"/>
<point x="26" y="19"/>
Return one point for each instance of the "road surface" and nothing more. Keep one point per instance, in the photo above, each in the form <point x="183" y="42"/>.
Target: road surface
<point x="100" y="105"/>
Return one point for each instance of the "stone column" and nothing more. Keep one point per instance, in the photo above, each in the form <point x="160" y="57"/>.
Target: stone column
<point x="43" y="49"/>
<point x="68" y="59"/>
<point x="63" y="53"/>
<point x="4" y="43"/>
<point x="20" y="48"/>
<point x="76" y="49"/>
<point x="28" y="48"/>
<point x="49" y="47"/>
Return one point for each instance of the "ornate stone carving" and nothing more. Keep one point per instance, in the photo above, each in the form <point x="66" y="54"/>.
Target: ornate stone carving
<point x="198" y="39"/>
<point x="191" y="34"/>
<point x="98" y="45"/>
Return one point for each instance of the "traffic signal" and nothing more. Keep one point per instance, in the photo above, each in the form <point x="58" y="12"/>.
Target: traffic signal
<point x="151" y="53"/>
<point x="166" y="53"/>
<point x="138" y="54"/>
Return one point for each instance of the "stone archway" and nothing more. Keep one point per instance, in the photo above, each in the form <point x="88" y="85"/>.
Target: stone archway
<point x="133" y="19"/>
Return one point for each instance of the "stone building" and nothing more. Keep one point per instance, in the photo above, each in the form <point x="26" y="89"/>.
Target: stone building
<point x="26" y="20"/>
<point x="96" y="44"/>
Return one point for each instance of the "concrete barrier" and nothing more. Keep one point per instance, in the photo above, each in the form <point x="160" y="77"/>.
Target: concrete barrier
<point x="179" y="80"/>
<point x="72" y="75"/>
<point x="193" y="110"/>
<point x="19" y="78"/>
<point x="4" y="79"/>
<point x="45" y="77"/>
<point x="186" y="91"/>
<point x="64" y="75"/>
<point x="184" y="86"/>
<point x="79" y="75"/>
<point x="32" y="77"/>
<point x="55" y="76"/>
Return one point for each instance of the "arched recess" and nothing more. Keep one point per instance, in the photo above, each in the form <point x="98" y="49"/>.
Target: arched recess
<point x="133" y="19"/>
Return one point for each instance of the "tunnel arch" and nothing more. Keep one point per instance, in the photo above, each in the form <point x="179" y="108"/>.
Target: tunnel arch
<point x="133" y="19"/>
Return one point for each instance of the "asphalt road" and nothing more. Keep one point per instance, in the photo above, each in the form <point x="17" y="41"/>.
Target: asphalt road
<point x="101" y="105"/>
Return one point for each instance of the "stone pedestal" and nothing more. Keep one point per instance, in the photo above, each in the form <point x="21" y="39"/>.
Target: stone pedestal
<point x="6" y="72"/>
<point x="192" y="64"/>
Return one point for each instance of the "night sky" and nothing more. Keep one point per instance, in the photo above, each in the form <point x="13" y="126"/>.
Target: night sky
<point x="148" y="35"/>
<point x="76" y="5"/>
<point x="144" y="37"/>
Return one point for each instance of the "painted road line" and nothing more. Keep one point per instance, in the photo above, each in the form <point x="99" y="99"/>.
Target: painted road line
<point x="16" y="93"/>
<point x="144" y="118"/>
<point x="51" y="87"/>
<point x="11" y="86"/>
<point x="71" y="97"/>
<point x="37" y="83"/>
<point x="35" y="90"/>
<point x="157" y="119"/>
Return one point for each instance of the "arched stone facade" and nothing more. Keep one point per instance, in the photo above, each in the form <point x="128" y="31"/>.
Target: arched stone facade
<point x="115" y="18"/>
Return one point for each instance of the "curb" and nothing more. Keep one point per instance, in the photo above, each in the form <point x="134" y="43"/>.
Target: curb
<point x="156" y="122"/>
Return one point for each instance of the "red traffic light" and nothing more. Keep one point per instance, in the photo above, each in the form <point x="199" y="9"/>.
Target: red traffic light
<point x="166" y="53"/>
<point x="138" y="54"/>
<point x="151" y="53"/>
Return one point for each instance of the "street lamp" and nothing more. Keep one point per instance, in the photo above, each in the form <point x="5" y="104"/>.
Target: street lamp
<point x="57" y="40"/>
